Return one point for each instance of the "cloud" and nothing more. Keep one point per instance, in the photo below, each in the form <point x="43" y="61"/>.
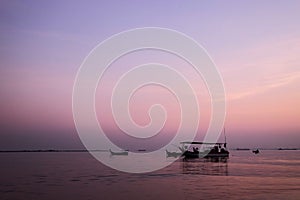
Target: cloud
<point x="270" y="82"/>
<point x="270" y="65"/>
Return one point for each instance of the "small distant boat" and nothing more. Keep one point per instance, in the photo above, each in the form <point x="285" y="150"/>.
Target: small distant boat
<point x="121" y="153"/>
<point x="255" y="151"/>
<point x="242" y="149"/>
<point x="141" y="150"/>
<point x="173" y="154"/>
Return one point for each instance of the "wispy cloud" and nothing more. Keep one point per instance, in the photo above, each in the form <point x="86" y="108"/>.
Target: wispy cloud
<point x="271" y="82"/>
<point x="268" y="66"/>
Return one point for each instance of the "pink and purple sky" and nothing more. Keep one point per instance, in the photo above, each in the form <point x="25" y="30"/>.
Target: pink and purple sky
<point x="255" y="45"/>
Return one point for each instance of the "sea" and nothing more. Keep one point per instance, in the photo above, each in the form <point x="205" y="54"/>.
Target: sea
<point x="271" y="174"/>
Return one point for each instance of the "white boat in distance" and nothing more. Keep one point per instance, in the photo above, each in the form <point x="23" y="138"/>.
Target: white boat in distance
<point x="120" y="153"/>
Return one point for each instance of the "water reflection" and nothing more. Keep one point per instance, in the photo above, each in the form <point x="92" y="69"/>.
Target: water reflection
<point x="205" y="166"/>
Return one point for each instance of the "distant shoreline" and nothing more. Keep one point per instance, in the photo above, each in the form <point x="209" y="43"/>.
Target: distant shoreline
<point x="50" y="150"/>
<point x="250" y="149"/>
<point x="95" y="150"/>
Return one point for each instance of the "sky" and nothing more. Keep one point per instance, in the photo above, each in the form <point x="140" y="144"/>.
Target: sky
<point x="254" y="44"/>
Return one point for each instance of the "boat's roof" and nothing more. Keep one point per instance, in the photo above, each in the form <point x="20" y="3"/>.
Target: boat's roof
<point x="211" y="143"/>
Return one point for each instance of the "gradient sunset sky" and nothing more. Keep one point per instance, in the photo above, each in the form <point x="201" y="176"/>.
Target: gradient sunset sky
<point x="255" y="45"/>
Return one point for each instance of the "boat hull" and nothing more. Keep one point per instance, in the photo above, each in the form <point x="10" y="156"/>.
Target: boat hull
<point x="189" y="154"/>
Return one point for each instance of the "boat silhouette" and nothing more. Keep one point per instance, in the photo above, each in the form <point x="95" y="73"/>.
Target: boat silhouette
<point x="218" y="150"/>
<point x="255" y="151"/>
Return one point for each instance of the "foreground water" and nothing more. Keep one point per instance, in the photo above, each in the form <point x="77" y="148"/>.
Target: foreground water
<point x="57" y="175"/>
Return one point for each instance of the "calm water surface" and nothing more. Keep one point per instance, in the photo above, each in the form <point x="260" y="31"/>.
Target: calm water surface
<point x="268" y="175"/>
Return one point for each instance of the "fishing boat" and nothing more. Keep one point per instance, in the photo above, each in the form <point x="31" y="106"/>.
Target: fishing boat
<point x="121" y="153"/>
<point x="209" y="150"/>
<point x="256" y="151"/>
<point x="173" y="154"/>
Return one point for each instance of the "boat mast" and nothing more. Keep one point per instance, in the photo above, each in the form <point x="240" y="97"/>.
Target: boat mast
<point x="225" y="138"/>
